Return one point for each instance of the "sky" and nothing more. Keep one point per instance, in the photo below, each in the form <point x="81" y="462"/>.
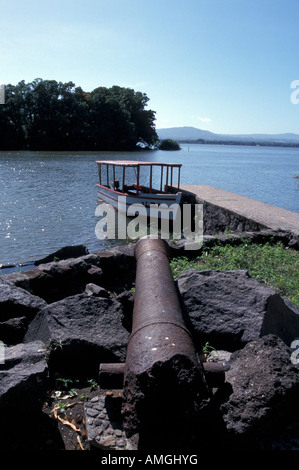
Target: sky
<point x="221" y="65"/>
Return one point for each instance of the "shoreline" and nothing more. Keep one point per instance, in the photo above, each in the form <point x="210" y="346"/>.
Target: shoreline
<point x="223" y="212"/>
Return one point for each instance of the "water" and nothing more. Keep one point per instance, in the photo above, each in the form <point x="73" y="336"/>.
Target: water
<point x="48" y="199"/>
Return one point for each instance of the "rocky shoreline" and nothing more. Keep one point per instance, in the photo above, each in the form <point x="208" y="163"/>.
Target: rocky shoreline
<point x="65" y="317"/>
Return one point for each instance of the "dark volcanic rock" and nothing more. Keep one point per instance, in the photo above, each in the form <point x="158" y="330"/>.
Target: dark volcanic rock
<point x="262" y="386"/>
<point x="228" y="309"/>
<point x="87" y="322"/>
<point x="57" y="280"/>
<point x="23" y="376"/>
<point x="112" y="269"/>
<point x="126" y="299"/>
<point x="81" y="331"/>
<point x="24" y="387"/>
<point x="17" y="308"/>
<point x="118" y="265"/>
<point x="17" y="302"/>
<point x="94" y="289"/>
<point x="63" y="253"/>
<point x="13" y="330"/>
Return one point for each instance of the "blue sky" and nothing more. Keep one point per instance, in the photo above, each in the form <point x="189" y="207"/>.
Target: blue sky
<point x="221" y="65"/>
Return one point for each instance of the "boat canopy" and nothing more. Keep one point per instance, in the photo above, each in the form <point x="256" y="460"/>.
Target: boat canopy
<point x="137" y="165"/>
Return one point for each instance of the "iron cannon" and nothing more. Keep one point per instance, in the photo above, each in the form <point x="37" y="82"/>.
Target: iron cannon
<point x="165" y="385"/>
<point x="164" y="381"/>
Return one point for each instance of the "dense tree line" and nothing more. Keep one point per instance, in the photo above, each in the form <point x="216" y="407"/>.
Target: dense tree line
<point x="51" y="115"/>
<point x="169" y="144"/>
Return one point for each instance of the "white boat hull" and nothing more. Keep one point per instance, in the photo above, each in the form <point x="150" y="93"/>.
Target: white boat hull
<point x="155" y="205"/>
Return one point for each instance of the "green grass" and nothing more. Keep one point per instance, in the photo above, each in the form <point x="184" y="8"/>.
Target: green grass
<point x="272" y="264"/>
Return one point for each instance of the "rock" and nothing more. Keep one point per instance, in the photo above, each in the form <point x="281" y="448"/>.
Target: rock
<point x="294" y="242"/>
<point x="23" y="376"/>
<point x="93" y="289"/>
<point x="234" y="238"/>
<point x="72" y="315"/>
<point x="17" y="302"/>
<point x="24" y="385"/>
<point x="126" y="299"/>
<point x="81" y="331"/>
<point x="263" y="387"/>
<point x="112" y="269"/>
<point x="13" y="330"/>
<point x="228" y="309"/>
<point x="219" y="356"/>
<point x="57" y="280"/>
<point x="285" y="237"/>
<point x="119" y="266"/>
<point x="64" y="253"/>
<point x="178" y="248"/>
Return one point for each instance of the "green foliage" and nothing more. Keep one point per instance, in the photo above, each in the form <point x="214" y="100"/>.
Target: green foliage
<point x="50" y="115"/>
<point x="169" y="144"/>
<point x="273" y="265"/>
<point x="64" y="383"/>
<point x="207" y="348"/>
<point x="92" y="384"/>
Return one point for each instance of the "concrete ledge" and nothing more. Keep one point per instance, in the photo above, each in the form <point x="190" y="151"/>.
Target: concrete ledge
<point x="260" y="213"/>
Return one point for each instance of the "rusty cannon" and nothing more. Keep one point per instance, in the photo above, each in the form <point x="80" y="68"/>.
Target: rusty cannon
<point x="164" y="383"/>
<point x="165" y="386"/>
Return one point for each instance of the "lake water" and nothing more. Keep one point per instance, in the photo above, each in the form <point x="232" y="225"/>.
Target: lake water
<point x="48" y="199"/>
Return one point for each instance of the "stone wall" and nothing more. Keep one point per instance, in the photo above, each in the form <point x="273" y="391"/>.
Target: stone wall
<point x="217" y="219"/>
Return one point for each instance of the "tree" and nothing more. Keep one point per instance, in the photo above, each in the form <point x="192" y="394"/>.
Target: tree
<point x="55" y="116"/>
<point x="13" y="117"/>
<point x="50" y="115"/>
<point x="169" y="144"/>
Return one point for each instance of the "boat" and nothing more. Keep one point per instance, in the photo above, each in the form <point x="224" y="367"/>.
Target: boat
<point x="126" y="184"/>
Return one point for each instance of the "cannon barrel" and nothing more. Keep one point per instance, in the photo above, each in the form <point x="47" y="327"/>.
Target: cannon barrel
<point x="163" y="378"/>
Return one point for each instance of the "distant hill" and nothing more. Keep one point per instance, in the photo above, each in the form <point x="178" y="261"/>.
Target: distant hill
<point x="184" y="133"/>
<point x="188" y="134"/>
